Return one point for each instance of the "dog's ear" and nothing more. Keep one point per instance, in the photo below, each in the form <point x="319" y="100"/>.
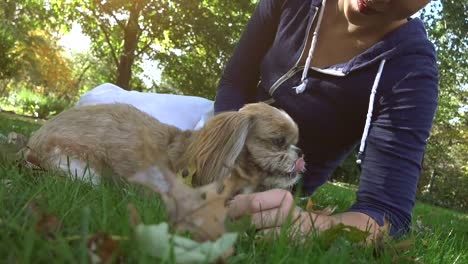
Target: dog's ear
<point x="217" y="145"/>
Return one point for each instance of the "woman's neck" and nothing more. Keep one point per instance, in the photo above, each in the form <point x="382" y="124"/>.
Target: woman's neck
<point x="339" y="40"/>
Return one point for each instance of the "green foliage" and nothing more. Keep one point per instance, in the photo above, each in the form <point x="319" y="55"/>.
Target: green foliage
<point x="348" y="171"/>
<point x="200" y="42"/>
<point x="17" y="20"/>
<point x="88" y="72"/>
<point x="8" y="58"/>
<point x="349" y="233"/>
<point x="121" y="31"/>
<point x="32" y="57"/>
<point x="190" y="40"/>
<point x="29" y="103"/>
<point x="22" y="125"/>
<point x="444" y="179"/>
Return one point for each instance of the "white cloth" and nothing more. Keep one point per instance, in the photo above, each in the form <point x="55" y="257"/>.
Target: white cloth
<point x="184" y="112"/>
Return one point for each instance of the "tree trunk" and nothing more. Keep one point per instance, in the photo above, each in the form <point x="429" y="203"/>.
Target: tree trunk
<point x="127" y="58"/>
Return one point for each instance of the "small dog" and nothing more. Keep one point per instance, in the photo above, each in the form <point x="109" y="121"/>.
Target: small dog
<point x="258" y="139"/>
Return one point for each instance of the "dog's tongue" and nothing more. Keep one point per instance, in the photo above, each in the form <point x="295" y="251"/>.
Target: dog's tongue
<point x="299" y="166"/>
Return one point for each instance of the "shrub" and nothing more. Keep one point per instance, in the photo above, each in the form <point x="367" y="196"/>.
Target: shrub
<point x="27" y="102"/>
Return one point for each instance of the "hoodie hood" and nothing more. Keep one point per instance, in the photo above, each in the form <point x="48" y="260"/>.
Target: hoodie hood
<point x="409" y="38"/>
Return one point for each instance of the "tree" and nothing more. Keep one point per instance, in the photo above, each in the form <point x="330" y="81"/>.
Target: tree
<point x="444" y="178"/>
<point x="199" y="44"/>
<point x="20" y="21"/>
<point x="120" y="30"/>
<point x="183" y="36"/>
<point x="8" y="58"/>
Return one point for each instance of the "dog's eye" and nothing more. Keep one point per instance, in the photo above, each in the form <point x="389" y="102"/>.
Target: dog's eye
<point x="279" y="141"/>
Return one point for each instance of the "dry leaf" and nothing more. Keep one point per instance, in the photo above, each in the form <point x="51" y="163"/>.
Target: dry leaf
<point x="133" y="216"/>
<point x="201" y="211"/>
<point x="46" y="224"/>
<point x="101" y="248"/>
<point x="310" y="205"/>
<point x="381" y="238"/>
<point x="347" y="232"/>
<point x="329" y="210"/>
<point x="382" y="243"/>
<point x="404" y="245"/>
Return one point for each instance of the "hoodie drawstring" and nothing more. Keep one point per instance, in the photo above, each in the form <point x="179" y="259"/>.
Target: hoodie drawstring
<point x="301" y="87"/>
<point x="370" y="109"/>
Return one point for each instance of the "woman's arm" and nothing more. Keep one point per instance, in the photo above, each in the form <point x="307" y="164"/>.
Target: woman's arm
<point x="395" y="146"/>
<point x="240" y="77"/>
<point x="390" y="170"/>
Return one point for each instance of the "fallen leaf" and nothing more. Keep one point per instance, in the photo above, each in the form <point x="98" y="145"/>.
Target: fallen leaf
<point x="404" y="245"/>
<point x="157" y="241"/>
<point x="349" y="233"/>
<point x="201" y="211"/>
<point x="101" y="248"/>
<point x="381" y="238"/>
<point x="425" y="242"/>
<point x="329" y="210"/>
<point x="46" y="224"/>
<point x="310" y="205"/>
<point x="383" y="244"/>
<point x="133" y="216"/>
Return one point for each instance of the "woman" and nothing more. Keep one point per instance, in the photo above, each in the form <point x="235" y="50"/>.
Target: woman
<point x="349" y="72"/>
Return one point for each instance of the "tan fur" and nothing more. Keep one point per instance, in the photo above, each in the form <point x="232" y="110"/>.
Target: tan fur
<point x="124" y="139"/>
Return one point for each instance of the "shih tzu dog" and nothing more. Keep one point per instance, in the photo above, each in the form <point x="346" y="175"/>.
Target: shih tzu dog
<point x="258" y="139"/>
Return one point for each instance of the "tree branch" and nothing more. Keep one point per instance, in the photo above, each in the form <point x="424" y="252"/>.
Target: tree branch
<point x="144" y="48"/>
<point x="107" y="37"/>
<point x="121" y="25"/>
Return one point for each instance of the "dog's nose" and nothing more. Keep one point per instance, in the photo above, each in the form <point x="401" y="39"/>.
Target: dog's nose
<point x="298" y="151"/>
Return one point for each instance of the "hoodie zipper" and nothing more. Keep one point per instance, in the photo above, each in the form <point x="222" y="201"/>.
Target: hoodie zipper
<point x="296" y="68"/>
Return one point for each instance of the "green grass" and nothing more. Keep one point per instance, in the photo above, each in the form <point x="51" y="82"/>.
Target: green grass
<point x="440" y="235"/>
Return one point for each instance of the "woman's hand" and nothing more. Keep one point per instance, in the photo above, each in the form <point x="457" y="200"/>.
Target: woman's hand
<point x="269" y="210"/>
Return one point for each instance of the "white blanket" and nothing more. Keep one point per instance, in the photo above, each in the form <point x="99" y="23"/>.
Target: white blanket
<point x="184" y="112"/>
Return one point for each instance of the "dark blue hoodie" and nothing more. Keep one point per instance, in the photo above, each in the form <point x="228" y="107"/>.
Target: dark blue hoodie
<point x="331" y="112"/>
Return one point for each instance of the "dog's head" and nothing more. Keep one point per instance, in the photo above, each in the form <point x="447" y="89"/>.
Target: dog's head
<point x="260" y="139"/>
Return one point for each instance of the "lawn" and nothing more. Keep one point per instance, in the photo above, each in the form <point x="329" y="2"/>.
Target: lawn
<point x="47" y="218"/>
